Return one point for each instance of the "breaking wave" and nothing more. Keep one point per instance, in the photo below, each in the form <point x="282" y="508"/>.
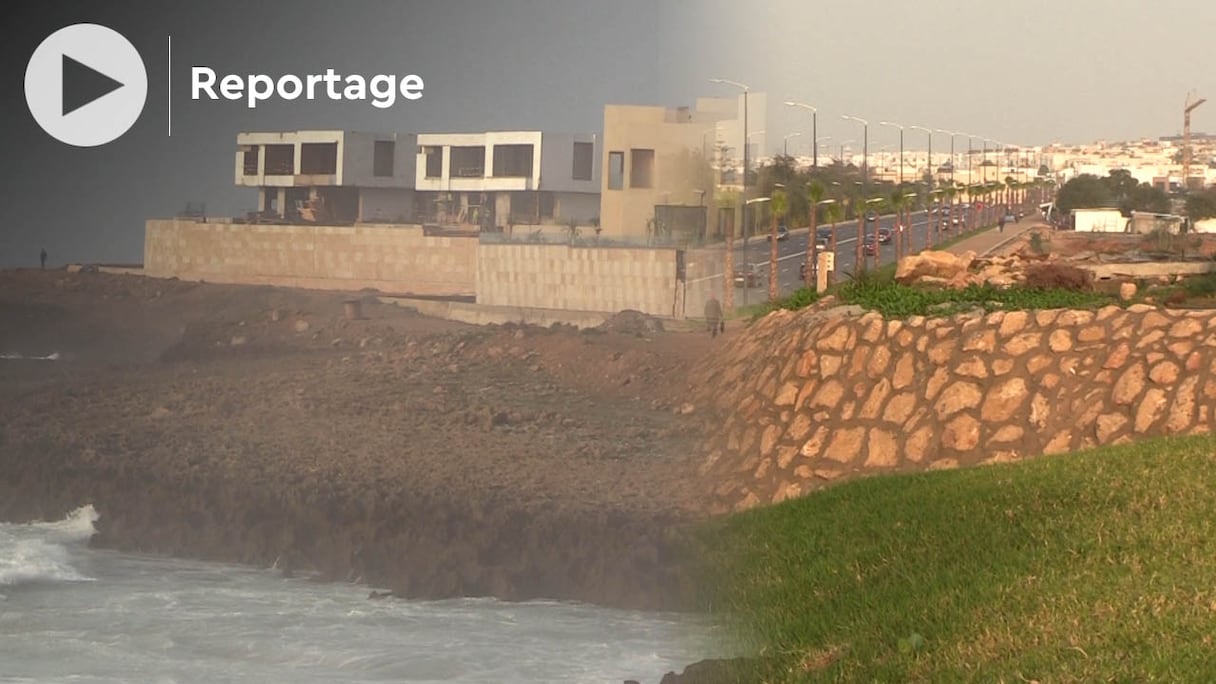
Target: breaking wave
<point x="41" y="551"/>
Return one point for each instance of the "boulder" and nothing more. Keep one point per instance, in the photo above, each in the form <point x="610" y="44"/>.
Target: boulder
<point x="933" y="264"/>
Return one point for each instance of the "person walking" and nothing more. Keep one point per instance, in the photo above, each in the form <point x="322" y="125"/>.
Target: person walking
<point x="713" y="316"/>
<point x="43" y="257"/>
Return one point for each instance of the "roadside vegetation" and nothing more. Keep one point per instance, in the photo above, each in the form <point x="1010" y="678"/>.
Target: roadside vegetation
<point x="878" y="291"/>
<point x="1095" y="566"/>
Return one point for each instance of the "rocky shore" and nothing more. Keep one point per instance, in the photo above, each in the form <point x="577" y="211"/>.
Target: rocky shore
<point x="425" y="458"/>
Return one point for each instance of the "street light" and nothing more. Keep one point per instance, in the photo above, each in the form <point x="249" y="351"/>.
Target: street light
<point x="865" y="149"/>
<point x="901" y="147"/>
<point x="930" y="132"/>
<point x="728" y="295"/>
<point x="843" y="144"/>
<point x="785" y="143"/>
<point x="952" y="134"/>
<point x="814" y="129"/>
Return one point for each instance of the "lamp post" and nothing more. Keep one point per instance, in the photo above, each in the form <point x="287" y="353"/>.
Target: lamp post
<point x="901" y="147"/>
<point x="814" y="129"/>
<point x="865" y="146"/>
<point x="728" y="297"/>
<point x="747" y="264"/>
<point x="952" y="134"/>
<point x="785" y="143"/>
<point x="843" y="144"/>
<point x="931" y="170"/>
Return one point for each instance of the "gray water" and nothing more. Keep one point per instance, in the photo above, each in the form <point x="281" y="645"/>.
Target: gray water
<point x="73" y="614"/>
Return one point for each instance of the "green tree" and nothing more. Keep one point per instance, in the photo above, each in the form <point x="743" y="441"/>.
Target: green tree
<point x="1201" y="205"/>
<point x="1145" y="197"/>
<point x="780" y="204"/>
<point x="1086" y="191"/>
<point x="833" y="213"/>
<point x="815" y="193"/>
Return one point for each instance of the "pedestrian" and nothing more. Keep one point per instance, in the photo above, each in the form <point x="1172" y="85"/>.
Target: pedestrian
<point x="713" y="317"/>
<point x="43" y="256"/>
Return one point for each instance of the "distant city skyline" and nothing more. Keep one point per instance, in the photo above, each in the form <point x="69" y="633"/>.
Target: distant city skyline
<point x="1032" y="73"/>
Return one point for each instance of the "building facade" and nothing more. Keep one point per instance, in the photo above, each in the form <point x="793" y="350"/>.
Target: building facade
<point x="500" y="178"/>
<point x="329" y="176"/>
<point x="664" y="168"/>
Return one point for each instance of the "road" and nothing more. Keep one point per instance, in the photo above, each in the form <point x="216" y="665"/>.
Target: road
<point x="792" y="252"/>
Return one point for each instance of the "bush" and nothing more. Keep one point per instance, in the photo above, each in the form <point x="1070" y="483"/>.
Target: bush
<point x="1059" y="277"/>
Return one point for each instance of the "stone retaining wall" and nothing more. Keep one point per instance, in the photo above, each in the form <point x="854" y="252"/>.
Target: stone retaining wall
<point x="810" y="397"/>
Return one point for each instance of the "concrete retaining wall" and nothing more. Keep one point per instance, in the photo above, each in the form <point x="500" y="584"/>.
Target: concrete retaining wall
<point x="600" y="279"/>
<point x="389" y="258"/>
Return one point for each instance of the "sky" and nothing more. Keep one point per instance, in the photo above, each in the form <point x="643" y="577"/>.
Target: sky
<point x="1027" y="73"/>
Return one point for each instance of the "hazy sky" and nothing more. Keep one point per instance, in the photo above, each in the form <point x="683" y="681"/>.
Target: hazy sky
<point x="1030" y="72"/>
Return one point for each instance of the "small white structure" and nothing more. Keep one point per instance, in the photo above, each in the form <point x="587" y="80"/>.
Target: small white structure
<point x="499" y="177"/>
<point x="1103" y="220"/>
<point x="1204" y="226"/>
<point x="342" y="176"/>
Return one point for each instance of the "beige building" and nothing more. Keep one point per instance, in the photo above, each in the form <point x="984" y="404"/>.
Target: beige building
<point x="661" y="170"/>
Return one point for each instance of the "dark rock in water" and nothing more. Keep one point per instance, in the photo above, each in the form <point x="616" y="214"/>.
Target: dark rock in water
<point x="715" y="671"/>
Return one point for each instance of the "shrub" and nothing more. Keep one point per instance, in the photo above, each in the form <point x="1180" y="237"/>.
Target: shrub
<point x="1059" y="277"/>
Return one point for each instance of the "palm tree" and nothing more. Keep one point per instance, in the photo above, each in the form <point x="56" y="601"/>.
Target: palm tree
<point x="728" y="259"/>
<point x="860" y="212"/>
<point x="833" y="213"/>
<point x="898" y="203"/>
<point x="815" y="193"/>
<point x="779" y="203"/>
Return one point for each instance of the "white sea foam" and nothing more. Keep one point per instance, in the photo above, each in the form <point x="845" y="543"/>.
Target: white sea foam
<point x="38" y="552"/>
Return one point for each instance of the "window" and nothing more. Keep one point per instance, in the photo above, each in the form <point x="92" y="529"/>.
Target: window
<point x="319" y="158"/>
<point x="280" y="160"/>
<point x="434" y="162"/>
<point x="641" y="168"/>
<point x="251" y="160"/>
<point x="512" y="161"/>
<point x="584" y="154"/>
<point x="382" y="158"/>
<point x="616" y="170"/>
<point x="468" y="162"/>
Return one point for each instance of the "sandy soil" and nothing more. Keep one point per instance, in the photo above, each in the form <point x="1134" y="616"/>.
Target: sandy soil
<point x="258" y="425"/>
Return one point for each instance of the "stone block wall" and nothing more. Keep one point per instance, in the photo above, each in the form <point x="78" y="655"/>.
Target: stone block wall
<point x="607" y="279"/>
<point x="391" y="258"/>
<point x="814" y="396"/>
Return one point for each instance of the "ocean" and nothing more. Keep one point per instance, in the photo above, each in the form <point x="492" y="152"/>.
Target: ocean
<point x="69" y="613"/>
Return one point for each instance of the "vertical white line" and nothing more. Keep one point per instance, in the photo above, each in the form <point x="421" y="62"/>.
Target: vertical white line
<point x="170" y="85"/>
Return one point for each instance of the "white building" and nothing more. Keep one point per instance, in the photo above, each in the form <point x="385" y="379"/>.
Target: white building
<point x="498" y="178"/>
<point x="330" y="176"/>
<point x="1100" y="220"/>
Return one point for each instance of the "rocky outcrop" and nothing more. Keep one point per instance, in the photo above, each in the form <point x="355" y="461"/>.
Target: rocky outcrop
<point x="815" y="396"/>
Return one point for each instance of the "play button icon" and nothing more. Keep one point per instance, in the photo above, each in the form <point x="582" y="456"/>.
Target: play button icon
<point x="82" y="85"/>
<point x="86" y="85"/>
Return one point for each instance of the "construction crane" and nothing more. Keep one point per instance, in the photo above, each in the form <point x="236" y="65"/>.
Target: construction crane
<point x="1191" y="104"/>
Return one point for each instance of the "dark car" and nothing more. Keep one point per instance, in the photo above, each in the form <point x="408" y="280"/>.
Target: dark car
<point x="747" y="277"/>
<point x="869" y="246"/>
<point x="783" y="233"/>
<point x="871" y="216"/>
<point x="885" y="236"/>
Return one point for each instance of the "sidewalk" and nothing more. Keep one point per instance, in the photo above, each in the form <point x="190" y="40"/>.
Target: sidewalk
<point x="992" y="239"/>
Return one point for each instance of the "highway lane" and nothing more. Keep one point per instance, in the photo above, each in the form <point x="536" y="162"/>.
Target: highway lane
<point x="792" y="252"/>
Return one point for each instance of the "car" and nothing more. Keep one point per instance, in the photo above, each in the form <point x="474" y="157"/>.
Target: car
<point x="747" y="277"/>
<point x="871" y="216"/>
<point x="869" y="247"/>
<point x="885" y="236"/>
<point x="1009" y="218"/>
<point x="783" y="233"/>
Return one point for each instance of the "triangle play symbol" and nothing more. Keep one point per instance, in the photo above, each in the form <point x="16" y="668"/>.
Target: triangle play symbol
<point x="83" y="84"/>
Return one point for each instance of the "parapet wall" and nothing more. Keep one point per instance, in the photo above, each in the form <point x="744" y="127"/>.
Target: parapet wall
<point x="810" y="397"/>
<point x="390" y="258"/>
<point x="605" y="279"/>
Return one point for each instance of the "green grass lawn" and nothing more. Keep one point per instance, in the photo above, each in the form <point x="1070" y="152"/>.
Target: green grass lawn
<point x="1097" y="566"/>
